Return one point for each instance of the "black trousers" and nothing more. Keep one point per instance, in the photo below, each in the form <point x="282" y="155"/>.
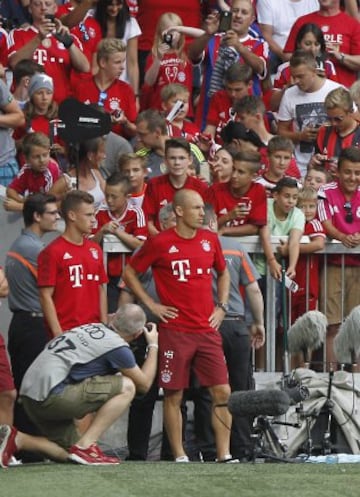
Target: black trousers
<point x="27" y="338"/>
<point x="237" y="350"/>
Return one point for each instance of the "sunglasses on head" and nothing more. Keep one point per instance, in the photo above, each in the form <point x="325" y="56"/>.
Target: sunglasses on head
<point x="349" y="215"/>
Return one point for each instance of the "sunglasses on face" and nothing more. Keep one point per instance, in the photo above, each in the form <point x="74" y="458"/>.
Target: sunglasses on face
<point x="348" y="213"/>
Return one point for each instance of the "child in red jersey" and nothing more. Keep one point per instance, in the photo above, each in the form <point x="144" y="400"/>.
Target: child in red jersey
<point x="177" y="94"/>
<point x="307" y="268"/>
<point x="240" y="204"/>
<point x="161" y="189"/>
<point x="123" y="220"/>
<point x="237" y="84"/>
<point x="280" y="152"/>
<point x="134" y="167"/>
<point x="316" y="177"/>
<point x="105" y="88"/>
<point x="168" y="62"/>
<point x="37" y="175"/>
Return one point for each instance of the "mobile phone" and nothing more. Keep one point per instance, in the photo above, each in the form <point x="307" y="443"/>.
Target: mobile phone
<point x="51" y="17"/>
<point x="225" y="21"/>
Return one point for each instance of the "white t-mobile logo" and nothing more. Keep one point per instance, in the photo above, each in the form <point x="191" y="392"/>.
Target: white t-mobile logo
<point x="181" y="269"/>
<point x="76" y="275"/>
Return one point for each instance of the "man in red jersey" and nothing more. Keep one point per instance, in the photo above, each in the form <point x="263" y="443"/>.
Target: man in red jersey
<point x="182" y="260"/>
<point x="342" y="38"/>
<point x="71" y="270"/>
<point x="41" y="42"/>
<point x="161" y="189"/>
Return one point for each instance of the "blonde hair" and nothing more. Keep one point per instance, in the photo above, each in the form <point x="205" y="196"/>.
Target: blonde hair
<point x="109" y="46"/>
<point x="165" y="21"/>
<point x="340" y="97"/>
<point x="307" y="194"/>
<point x="173" y="89"/>
<point x="130" y="157"/>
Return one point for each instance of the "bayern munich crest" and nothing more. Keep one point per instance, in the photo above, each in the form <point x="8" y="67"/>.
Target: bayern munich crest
<point x="165" y="377"/>
<point x="206" y="245"/>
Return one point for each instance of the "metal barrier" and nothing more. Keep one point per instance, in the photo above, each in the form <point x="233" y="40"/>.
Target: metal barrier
<point x="253" y="246"/>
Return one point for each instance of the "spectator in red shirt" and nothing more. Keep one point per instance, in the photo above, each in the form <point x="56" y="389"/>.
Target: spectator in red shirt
<point x="37" y="175"/>
<point x="126" y="222"/>
<point x="342" y="38"/>
<point x="105" y="88"/>
<point x="48" y="42"/>
<point x="178" y="126"/>
<point x="238" y="84"/>
<point x="240" y="204"/>
<point x="161" y="189"/>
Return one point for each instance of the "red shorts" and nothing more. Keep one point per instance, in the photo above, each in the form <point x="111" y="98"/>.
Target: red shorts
<point x="6" y="379"/>
<point x="180" y="353"/>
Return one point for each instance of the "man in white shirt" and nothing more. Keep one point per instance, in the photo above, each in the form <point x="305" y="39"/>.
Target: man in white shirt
<point x="302" y="109"/>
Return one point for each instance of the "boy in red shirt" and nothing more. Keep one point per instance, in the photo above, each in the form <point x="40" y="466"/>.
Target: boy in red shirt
<point x="307" y="268"/>
<point x="123" y="220"/>
<point x="162" y="189"/>
<point x="240" y="204"/>
<point x="106" y="90"/>
<point x="179" y="126"/>
<point x="37" y="175"/>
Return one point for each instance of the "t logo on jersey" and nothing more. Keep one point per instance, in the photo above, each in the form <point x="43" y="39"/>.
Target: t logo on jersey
<point x="40" y="55"/>
<point x="181" y="268"/>
<point x="76" y="275"/>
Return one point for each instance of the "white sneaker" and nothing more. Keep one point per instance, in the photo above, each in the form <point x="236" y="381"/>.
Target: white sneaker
<point x="182" y="459"/>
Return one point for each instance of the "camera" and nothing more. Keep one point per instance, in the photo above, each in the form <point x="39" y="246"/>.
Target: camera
<point x="147" y="327"/>
<point x="225" y="22"/>
<point x="168" y="38"/>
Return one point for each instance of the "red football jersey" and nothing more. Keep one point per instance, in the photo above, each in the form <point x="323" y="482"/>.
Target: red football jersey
<point x="28" y="181"/>
<point x="307" y="268"/>
<point x="51" y="54"/>
<point x="160" y="191"/>
<point x="173" y="69"/>
<point x="188" y="131"/>
<point x="182" y="270"/>
<point x="150" y="10"/>
<point x="133" y="222"/>
<point x="219" y="195"/>
<point x="119" y="95"/>
<point x="76" y="273"/>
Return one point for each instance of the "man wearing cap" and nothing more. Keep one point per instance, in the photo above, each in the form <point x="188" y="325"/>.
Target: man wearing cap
<point x="48" y="42"/>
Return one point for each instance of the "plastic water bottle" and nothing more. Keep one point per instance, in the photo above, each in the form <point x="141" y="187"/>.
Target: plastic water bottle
<point x="331" y="459"/>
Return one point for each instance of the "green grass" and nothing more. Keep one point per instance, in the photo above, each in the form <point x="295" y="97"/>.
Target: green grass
<point x="132" y="479"/>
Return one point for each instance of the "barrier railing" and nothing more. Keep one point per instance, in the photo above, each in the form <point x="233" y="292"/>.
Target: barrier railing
<point x="252" y="245"/>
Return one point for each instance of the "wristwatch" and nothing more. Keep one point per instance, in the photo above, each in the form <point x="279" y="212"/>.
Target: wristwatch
<point x="223" y="305"/>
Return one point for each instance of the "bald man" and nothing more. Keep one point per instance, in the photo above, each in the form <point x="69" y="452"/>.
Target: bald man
<point x="182" y="259"/>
